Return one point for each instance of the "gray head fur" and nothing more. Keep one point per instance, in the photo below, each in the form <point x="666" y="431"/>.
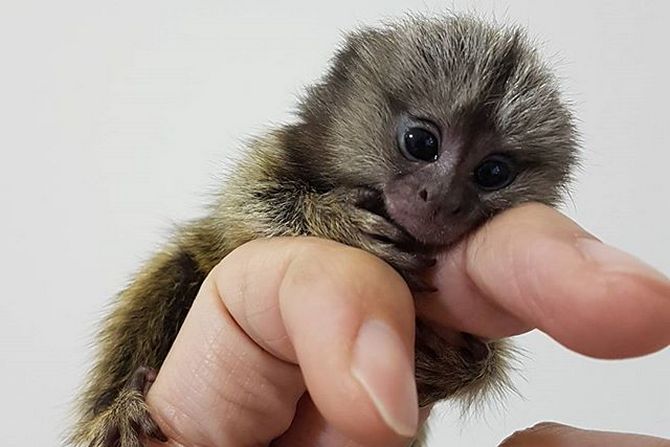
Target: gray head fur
<point x="486" y="90"/>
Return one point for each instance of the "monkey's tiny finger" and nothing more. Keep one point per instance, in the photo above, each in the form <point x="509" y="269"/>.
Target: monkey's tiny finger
<point x="376" y="225"/>
<point x="367" y="198"/>
<point x="425" y="262"/>
<point x="418" y="284"/>
<point x="142" y="379"/>
<point x="399" y="259"/>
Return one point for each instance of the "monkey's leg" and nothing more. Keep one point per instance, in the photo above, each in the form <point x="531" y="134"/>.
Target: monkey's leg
<point x="134" y="341"/>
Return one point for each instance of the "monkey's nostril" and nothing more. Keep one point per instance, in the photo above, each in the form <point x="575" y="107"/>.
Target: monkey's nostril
<point x="424" y="195"/>
<point x="456" y="210"/>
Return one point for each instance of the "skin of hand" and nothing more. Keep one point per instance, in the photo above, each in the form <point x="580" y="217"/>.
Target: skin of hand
<point x="301" y="341"/>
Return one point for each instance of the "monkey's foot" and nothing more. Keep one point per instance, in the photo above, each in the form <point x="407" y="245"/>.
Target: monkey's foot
<point x="127" y="422"/>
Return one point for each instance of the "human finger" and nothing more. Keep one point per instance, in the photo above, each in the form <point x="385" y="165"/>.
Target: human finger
<point x="532" y="267"/>
<point x="278" y="314"/>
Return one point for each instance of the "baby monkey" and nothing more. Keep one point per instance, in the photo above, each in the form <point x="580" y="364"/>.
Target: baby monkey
<point x="417" y="134"/>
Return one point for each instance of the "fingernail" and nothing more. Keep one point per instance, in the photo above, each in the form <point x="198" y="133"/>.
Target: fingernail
<point x="614" y="260"/>
<point x="385" y="370"/>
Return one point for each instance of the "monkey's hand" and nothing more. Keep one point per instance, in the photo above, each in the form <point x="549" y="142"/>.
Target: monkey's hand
<point x="354" y="217"/>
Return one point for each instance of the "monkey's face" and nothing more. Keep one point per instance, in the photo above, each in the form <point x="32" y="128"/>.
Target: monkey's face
<point x="451" y="181"/>
<point x="451" y="121"/>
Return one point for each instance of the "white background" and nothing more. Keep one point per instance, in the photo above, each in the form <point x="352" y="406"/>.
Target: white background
<point x="117" y="117"/>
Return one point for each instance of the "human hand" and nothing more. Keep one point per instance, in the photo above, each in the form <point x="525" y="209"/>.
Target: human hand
<point x="232" y="376"/>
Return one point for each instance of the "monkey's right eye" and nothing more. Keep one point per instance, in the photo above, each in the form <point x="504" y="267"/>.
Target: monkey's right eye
<point x="419" y="144"/>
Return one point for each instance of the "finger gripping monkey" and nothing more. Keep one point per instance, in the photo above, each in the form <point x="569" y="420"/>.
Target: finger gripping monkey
<point x="419" y="132"/>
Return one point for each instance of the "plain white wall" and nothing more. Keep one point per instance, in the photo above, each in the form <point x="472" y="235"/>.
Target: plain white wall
<point x="117" y="117"/>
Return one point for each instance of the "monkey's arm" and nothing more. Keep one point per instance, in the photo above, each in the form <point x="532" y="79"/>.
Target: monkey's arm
<point x="137" y="334"/>
<point x="347" y="214"/>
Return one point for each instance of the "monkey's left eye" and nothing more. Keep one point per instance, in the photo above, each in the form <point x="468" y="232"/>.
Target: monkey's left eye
<point x="419" y="144"/>
<point x="495" y="172"/>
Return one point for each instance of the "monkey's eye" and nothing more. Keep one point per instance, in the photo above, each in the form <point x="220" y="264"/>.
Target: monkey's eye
<point x="495" y="172"/>
<point x="419" y="144"/>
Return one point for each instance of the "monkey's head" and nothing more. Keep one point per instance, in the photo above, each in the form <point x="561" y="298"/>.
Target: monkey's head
<point x="451" y="120"/>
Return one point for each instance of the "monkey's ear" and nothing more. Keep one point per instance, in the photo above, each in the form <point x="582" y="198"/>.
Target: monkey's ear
<point x="356" y="57"/>
<point x="511" y="53"/>
<point x="358" y="49"/>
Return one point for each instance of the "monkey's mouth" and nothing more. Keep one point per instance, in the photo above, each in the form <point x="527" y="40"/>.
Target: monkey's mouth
<point x="376" y="203"/>
<point x="423" y="232"/>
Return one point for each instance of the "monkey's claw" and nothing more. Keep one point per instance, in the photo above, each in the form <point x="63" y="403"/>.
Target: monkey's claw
<point x="417" y="284"/>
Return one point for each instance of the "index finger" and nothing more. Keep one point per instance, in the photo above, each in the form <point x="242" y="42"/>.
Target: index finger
<point x="532" y="267"/>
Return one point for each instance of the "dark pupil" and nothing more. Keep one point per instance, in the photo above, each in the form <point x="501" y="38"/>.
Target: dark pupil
<point x="421" y="144"/>
<point x="493" y="174"/>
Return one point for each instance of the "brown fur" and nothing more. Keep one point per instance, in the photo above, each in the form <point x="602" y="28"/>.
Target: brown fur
<point x="328" y="175"/>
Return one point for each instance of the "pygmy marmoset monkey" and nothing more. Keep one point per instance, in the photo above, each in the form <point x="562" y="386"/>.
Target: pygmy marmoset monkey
<point x="418" y="133"/>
